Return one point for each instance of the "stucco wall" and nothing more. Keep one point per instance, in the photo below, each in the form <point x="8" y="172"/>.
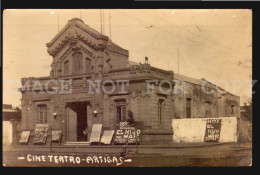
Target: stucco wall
<point x="220" y="105"/>
<point x="193" y="130"/>
<point x="7" y="132"/>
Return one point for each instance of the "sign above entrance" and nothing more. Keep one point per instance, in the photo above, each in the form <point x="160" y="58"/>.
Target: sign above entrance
<point x="95" y="133"/>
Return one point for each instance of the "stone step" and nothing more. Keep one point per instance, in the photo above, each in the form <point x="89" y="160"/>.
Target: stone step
<point x="77" y="143"/>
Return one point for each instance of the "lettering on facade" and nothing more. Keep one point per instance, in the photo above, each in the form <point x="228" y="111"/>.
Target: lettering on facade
<point x="75" y="96"/>
<point x="212" y="133"/>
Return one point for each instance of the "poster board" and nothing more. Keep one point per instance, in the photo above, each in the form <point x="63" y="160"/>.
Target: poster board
<point x="41" y="132"/>
<point x="95" y="133"/>
<point x="212" y="133"/>
<point x="56" y="136"/>
<point x="126" y="134"/>
<point x="107" y="137"/>
<point x="24" y="137"/>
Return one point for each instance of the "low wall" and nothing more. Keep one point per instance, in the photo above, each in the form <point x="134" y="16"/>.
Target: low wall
<point x="193" y="130"/>
<point x="7" y="132"/>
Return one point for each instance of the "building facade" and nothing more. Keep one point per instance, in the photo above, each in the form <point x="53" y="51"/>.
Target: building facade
<point x="10" y="121"/>
<point x="92" y="81"/>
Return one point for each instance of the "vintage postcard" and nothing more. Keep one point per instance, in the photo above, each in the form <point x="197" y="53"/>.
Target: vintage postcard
<point x="127" y="87"/>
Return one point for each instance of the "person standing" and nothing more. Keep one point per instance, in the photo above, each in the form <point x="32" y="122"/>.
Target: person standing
<point x="85" y="133"/>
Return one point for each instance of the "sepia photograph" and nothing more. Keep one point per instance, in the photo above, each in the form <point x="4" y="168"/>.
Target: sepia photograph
<point x="127" y="88"/>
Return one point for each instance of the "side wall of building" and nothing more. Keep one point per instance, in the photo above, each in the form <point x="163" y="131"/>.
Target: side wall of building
<point x="218" y="105"/>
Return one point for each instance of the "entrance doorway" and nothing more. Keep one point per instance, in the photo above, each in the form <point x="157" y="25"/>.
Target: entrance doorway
<point x="77" y="121"/>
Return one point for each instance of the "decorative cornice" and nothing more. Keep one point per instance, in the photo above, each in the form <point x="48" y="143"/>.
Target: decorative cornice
<point x="74" y="30"/>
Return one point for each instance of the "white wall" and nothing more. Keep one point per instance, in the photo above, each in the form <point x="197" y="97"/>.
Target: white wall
<point x="193" y="130"/>
<point x="7" y="132"/>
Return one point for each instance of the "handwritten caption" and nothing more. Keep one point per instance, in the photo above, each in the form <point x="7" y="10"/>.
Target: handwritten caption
<point x="57" y="159"/>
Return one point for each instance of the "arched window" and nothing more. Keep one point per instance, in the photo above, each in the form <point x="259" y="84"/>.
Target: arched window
<point x="88" y="65"/>
<point x="66" y="67"/>
<point x="77" y="62"/>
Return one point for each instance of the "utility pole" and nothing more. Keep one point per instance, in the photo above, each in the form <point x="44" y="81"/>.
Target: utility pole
<point x="51" y="139"/>
<point x="58" y="22"/>
<point x="104" y="24"/>
<point x="58" y="16"/>
<point x="80" y="14"/>
<point x="109" y="25"/>
<point x="101" y="21"/>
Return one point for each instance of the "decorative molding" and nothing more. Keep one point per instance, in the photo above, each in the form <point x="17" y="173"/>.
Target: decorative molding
<point x="133" y="94"/>
<point x="73" y="42"/>
<point x="145" y="94"/>
<point x="106" y="97"/>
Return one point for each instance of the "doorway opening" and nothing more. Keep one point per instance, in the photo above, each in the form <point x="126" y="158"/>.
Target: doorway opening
<point x="78" y="121"/>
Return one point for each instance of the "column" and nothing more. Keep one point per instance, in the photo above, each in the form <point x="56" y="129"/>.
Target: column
<point x="14" y="132"/>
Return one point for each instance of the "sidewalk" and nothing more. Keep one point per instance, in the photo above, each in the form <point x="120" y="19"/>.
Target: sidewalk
<point x="177" y="154"/>
<point x="174" y="149"/>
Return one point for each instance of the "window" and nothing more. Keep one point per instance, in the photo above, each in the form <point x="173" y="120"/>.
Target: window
<point x="42" y="114"/>
<point x="88" y="65"/>
<point x="232" y="110"/>
<point x="207" y="109"/>
<point x="188" y="107"/>
<point x="160" y="111"/>
<point x="66" y="67"/>
<point x="120" y="110"/>
<point x="121" y="113"/>
<point x="77" y="59"/>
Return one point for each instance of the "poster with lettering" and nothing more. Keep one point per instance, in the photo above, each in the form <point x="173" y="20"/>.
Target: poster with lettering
<point x="212" y="133"/>
<point x="107" y="137"/>
<point x="41" y="133"/>
<point x="95" y="133"/>
<point x="56" y="136"/>
<point x="126" y="134"/>
<point x="24" y="137"/>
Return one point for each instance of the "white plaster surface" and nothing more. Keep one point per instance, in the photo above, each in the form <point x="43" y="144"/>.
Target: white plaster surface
<point x="7" y="132"/>
<point x="193" y="130"/>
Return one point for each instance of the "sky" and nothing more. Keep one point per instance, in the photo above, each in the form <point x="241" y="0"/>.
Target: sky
<point x="213" y="44"/>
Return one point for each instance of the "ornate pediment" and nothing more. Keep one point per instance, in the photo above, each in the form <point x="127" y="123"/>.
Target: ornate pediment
<point x="76" y="30"/>
<point x="77" y="37"/>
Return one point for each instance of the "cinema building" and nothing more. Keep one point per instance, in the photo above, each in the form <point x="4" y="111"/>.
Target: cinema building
<point x="83" y="60"/>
